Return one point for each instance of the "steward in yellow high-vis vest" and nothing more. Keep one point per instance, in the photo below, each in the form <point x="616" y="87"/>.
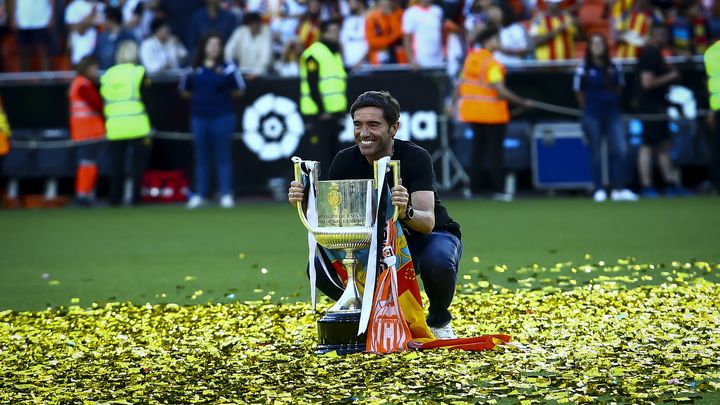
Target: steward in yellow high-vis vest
<point x="127" y="124"/>
<point x="712" y="67"/>
<point x="323" y="99"/>
<point x="482" y="102"/>
<point x="124" y="110"/>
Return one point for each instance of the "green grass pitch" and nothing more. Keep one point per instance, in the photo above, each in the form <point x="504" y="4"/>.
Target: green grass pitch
<point x="168" y="254"/>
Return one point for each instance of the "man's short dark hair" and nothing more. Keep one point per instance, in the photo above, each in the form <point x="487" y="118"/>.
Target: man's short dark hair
<point x="114" y="14"/>
<point x="325" y="25"/>
<point x="486" y="34"/>
<point x="157" y="23"/>
<point x="380" y="99"/>
<point x="252" y="18"/>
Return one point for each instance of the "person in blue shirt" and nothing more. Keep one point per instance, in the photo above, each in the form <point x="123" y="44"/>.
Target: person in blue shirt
<point x="108" y="40"/>
<point x="212" y="87"/>
<point x="210" y="19"/>
<point x="598" y="83"/>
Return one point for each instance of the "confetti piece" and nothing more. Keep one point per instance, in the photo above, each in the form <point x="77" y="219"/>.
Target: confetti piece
<point x="263" y="270"/>
<point x="189" y="278"/>
<point x="476" y="259"/>
<point x="54" y="282"/>
<point x="241" y="256"/>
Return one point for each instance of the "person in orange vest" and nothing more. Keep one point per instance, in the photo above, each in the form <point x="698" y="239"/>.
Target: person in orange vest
<point x="482" y="101"/>
<point x="4" y="131"/>
<point x="87" y="127"/>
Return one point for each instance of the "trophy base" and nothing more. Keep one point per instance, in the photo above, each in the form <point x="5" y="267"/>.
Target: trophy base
<point x="337" y="331"/>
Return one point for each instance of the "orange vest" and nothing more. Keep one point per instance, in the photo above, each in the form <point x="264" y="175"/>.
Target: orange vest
<point x="478" y="101"/>
<point x="85" y="123"/>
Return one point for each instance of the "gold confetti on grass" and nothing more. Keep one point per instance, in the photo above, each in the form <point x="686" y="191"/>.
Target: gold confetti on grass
<point x="599" y="342"/>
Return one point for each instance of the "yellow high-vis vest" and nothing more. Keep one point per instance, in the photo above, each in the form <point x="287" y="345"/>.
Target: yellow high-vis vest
<point x="124" y="110"/>
<point x="332" y="80"/>
<point x="712" y="67"/>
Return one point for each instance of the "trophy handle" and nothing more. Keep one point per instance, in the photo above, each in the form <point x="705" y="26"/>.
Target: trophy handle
<point x="395" y="166"/>
<point x="297" y="164"/>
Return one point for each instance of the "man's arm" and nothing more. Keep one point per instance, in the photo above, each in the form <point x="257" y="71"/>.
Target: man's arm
<point x="649" y="81"/>
<point x="509" y="95"/>
<point x="423" y="203"/>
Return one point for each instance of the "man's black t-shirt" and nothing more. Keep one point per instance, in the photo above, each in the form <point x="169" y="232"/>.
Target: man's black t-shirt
<point x="651" y="60"/>
<point x="416" y="172"/>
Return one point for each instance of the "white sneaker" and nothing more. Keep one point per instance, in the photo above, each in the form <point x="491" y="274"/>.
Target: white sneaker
<point x="195" y="202"/>
<point x="623" y="195"/>
<point x="227" y="201"/>
<point x="600" y="196"/>
<point x="443" y="332"/>
<point x="503" y="197"/>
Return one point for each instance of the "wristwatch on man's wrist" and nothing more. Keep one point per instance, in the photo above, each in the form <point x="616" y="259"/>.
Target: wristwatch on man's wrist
<point x="409" y="211"/>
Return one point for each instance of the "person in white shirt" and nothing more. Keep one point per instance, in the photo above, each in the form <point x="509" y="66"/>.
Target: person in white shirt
<point x="81" y="16"/>
<point x="161" y="50"/>
<point x="514" y="38"/>
<point x="34" y="21"/>
<point x="353" y="43"/>
<point x="250" y="46"/>
<point x="422" y="30"/>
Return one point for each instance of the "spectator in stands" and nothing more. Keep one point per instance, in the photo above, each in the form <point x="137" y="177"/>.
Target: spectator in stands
<point x="570" y="6"/>
<point x="87" y="127"/>
<point x="212" y="85"/>
<point x="139" y="15"/>
<point x="633" y="28"/>
<point x="422" y="26"/>
<point x="108" y="40"/>
<point x="383" y="30"/>
<point x="80" y="16"/>
<point x="162" y="50"/>
<point x="482" y="101"/>
<point x="477" y="18"/>
<point x="323" y="99"/>
<point x="308" y="31"/>
<point x="284" y="25"/>
<point x="287" y="64"/>
<point x="514" y="40"/>
<point x="553" y="33"/>
<point x="127" y="124"/>
<point x="250" y="46"/>
<point x="179" y="15"/>
<point x="34" y="22"/>
<point x="210" y="19"/>
<point x="655" y="79"/>
<point x="598" y="83"/>
<point x="353" y="43"/>
<point x="690" y="31"/>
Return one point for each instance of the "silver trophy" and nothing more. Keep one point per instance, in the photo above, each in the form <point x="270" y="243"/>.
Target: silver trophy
<point x="346" y="215"/>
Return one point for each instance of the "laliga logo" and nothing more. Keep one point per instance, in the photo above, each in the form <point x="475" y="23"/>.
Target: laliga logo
<point x="418" y="126"/>
<point x="272" y="127"/>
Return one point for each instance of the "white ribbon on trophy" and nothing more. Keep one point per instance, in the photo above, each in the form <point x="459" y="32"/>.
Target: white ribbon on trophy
<point x="371" y="274"/>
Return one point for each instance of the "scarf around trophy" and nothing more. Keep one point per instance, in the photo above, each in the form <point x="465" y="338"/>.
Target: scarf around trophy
<point x="396" y="304"/>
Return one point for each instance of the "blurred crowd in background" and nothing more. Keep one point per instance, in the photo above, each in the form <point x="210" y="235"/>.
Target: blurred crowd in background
<point x="267" y="36"/>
